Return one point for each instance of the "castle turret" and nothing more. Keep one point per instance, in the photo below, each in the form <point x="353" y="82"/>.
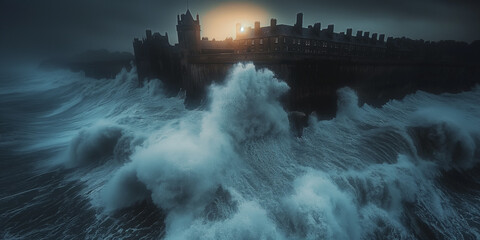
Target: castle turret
<point x="257" y="28"/>
<point x="148" y="33"/>
<point x="188" y="31"/>
<point x="381" y="38"/>
<point x="330" y="30"/>
<point x="359" y="34"/>
<point x="316" y="28"/>
<point x="349" y="33"/>
<point x="299" y="24"/>
<point x="273" y="24"/>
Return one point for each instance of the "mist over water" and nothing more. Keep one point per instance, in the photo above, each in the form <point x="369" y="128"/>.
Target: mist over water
<point x="89" y="158"/>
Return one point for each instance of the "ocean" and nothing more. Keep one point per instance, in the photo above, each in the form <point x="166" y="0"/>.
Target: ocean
<point x="86" y="158"/>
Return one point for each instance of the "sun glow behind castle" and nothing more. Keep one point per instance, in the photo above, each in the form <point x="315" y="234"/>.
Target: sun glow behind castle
<point x="220" y="22"/>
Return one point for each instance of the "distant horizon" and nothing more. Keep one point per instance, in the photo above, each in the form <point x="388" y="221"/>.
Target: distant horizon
<point x="64" y="26"/>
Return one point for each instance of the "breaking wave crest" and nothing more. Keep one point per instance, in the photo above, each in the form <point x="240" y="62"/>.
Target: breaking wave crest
<point x="236" y="171"/>
<point x="446" y="136"/>
<point x="183" y="169"/>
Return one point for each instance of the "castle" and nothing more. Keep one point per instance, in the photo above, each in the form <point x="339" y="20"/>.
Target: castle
<point x="276" y="39"/>
<point x="315" y="62"/>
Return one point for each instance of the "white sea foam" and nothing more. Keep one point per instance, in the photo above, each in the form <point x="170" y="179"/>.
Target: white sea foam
<point x="234" y="171"/>
<point x="182" y="169"/>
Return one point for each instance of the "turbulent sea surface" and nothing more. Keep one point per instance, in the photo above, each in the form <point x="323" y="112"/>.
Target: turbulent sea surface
<point x="106" y="159"/>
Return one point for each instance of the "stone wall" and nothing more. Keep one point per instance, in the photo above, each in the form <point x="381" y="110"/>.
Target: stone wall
<point x="314" y="83"/>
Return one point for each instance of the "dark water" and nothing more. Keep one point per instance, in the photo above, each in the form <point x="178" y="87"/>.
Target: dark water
<point x="95" y="159"/>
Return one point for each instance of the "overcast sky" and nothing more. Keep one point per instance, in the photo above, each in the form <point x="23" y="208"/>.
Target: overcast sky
<point x="64" y="25"/>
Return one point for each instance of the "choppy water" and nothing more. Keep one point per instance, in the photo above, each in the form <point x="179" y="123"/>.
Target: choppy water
<point x="86" y="158"/>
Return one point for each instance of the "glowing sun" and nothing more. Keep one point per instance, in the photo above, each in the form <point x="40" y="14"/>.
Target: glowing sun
<point x="220" y="22"/>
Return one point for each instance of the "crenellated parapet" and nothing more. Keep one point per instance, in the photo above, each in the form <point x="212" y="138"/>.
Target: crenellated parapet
<point x="188" y="30"/>
<point x="299" y="55"/>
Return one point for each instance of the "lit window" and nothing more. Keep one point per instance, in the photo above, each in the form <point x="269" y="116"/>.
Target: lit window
<point x="253" y="42"/>
<point x="261" y="41"/>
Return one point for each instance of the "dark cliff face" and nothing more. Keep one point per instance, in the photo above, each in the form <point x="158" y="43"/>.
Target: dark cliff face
<point x="405" y="67"/>
<point x="313" y="84"/>
<point x="314" y="67"/>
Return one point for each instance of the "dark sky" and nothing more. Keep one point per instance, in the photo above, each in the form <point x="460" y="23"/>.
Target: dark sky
<point x="32" y="26"/>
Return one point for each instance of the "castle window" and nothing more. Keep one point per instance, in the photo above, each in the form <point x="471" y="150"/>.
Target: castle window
<point x="294" y="41"/>
<point x="261" y="41"/>
<point x="307" y="42"/>
<point x="276" y="40"/>
<point x="253" y="42"/>
<point x="284" y="40"/>
<point x="298" y="41"/>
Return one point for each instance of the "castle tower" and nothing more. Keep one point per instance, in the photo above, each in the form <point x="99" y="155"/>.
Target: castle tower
<point x="188" y="31"/>
<point x="299" y="24"/>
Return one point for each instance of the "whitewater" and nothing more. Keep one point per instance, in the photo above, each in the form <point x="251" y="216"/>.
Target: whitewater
<point x="90" y="158"/>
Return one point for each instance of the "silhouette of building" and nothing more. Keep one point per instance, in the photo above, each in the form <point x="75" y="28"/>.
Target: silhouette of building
<point x="274" y="40"/>
<point x="188" y="31"/>
<point x="314" y="62"/>
<point x="310" y="41"/>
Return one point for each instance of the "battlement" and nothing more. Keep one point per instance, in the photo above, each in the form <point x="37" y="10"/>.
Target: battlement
<point x="188" y="30"/>
<point x="280" y="38"/>
<point x="299" y="55"/>
<point x="295" y="41"/>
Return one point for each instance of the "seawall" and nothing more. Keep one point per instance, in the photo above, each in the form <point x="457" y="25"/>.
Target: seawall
<point x="314" y="82"/>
